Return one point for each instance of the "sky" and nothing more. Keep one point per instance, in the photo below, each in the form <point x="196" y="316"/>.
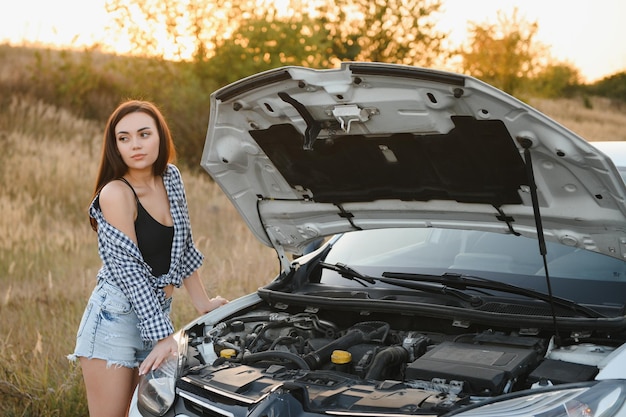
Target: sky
<point x="591" y="36"/>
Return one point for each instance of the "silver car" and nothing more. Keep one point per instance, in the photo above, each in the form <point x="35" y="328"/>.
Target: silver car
<point x="445" y="250"/>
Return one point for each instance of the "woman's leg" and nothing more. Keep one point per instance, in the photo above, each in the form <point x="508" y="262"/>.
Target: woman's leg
<point x="109" y="389"/>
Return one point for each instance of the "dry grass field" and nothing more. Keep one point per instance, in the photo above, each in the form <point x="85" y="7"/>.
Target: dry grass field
<point x="604" y="120"/>
<point x="48" y="253"/>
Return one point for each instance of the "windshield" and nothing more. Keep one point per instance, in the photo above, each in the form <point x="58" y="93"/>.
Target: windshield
<point x="576" y="274"/>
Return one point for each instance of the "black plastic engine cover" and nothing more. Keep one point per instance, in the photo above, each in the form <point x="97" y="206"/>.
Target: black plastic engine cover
<point x="483" y="369"/>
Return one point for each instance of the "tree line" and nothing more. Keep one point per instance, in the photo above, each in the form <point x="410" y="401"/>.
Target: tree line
<point x="205" y="44"/>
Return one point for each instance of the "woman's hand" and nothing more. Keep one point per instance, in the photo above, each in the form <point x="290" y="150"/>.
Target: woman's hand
<point x="162" y="350"/>
<point x="213" y="303"/>
<point x="199" y="297"/>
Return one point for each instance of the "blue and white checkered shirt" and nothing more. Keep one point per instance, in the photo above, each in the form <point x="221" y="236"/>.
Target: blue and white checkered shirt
<point x="124" y="266"/>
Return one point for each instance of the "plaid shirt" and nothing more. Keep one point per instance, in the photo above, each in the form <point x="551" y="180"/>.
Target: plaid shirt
<point x="124" y="266"/>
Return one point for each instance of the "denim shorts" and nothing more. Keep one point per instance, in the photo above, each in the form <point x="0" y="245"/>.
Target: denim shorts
<point x="109" y="329"/>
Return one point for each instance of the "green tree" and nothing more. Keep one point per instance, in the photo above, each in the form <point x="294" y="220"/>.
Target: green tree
<point x="613" y="87"/>
<point x="262" y="44"/>
<point x="175" y="29"/>
<point x="394" y="31"/>
<point x="505" y="54"/>
<point x="400" y="31"/>
<point x="556" y="80"/>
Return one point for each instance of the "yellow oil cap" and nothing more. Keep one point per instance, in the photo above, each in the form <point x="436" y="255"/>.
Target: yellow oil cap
<point x="339" y="357"/>
<point x="227" y="353"/>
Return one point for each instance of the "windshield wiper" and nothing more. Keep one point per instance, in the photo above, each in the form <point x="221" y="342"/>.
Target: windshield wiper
<point x="444" y="289"/>
<point x="350" y="273"/>
<point x="347" y="272"/>
<point x="463" y="282"/>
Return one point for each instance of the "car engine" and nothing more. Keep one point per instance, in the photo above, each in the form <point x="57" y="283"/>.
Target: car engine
<point x="342" y="360"/>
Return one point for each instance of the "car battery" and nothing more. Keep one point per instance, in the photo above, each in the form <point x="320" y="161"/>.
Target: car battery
<point x="483" y="369"/>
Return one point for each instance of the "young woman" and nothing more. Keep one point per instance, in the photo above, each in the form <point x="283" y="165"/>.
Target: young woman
<point x="139" y="210"/>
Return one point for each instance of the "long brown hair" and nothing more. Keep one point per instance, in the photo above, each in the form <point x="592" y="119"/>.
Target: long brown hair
<point x="112" y="165"/>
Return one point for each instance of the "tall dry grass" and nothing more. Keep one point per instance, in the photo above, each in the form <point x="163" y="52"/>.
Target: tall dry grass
<point x="595" y="118"/>
<point x="48" y="253"/>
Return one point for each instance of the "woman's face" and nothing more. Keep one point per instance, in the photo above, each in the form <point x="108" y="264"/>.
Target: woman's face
<point x="137" y="140"/>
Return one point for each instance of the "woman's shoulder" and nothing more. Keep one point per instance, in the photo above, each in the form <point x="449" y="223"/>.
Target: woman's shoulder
<point x="116" y="193"/>
<point x="118" y="206"/>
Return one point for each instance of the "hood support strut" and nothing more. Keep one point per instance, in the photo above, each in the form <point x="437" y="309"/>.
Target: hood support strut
<point x="285" y="264"/>
<point x="526" y="144"/>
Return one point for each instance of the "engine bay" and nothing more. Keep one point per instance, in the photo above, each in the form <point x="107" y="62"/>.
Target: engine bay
<point x="343" y="360"/>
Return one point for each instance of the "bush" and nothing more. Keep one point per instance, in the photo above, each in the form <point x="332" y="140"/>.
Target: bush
<point x="91" y="84"/>
<point x="613" y="87"/>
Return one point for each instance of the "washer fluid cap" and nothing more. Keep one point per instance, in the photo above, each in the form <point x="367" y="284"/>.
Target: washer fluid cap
<point x="340" y="357"/>
<point x="227" y="353"/>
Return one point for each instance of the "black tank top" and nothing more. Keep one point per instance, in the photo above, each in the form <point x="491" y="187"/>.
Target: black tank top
<point x="153" y="238"/>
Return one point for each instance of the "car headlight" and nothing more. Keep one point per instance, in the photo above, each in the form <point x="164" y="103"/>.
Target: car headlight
<point x="156" y="390"/>
<point x="602" y="399"/>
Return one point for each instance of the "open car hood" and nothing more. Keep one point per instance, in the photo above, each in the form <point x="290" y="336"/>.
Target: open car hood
<point x="306" y="153"/>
